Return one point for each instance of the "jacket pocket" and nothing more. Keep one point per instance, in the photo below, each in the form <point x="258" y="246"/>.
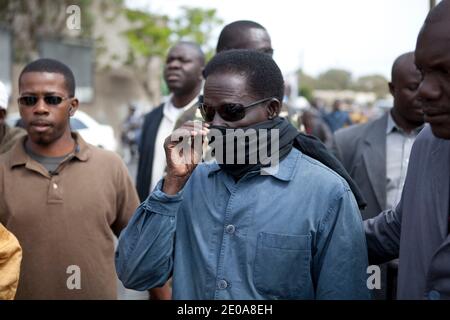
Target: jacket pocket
<point x="282" y="265"/>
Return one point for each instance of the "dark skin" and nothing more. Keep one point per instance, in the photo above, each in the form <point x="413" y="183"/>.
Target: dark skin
<point x="220" y="88"/>
<point x="407" y="111"/>
<point x="433" y="61"/>
<point x="252" y="39"/>
<point x="183" y="73"/>
<point x="47" y="126"/>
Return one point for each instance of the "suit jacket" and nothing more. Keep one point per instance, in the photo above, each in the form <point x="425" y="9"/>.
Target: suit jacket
<point x="422" y="217"/>
<point x="362" y="151"/>
<point x="150" y="128"/>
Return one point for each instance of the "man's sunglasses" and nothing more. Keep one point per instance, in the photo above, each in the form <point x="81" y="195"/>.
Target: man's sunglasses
<point x="50" y="100"/>
<point x="229" y="111"/>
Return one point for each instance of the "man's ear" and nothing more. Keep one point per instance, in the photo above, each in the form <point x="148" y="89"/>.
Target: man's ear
<point x="391" y="88"/>
<point x="73" y="107"/>
<point x="273" y="108"/>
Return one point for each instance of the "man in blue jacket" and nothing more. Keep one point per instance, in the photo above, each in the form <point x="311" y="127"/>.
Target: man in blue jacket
<point x="242" y="229"/>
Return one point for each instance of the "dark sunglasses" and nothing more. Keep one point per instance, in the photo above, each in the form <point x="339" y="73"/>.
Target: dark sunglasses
<point x="229" y="111"/>
<point x="50" y="100"/>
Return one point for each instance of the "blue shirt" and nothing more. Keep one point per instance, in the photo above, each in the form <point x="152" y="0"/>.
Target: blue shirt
<point x="338" y="119"/>
<point x="293" y="233"/>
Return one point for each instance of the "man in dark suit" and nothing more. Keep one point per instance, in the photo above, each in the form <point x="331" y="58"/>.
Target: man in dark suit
<point x="376" y="154"/>
<point x="417" y="230"/>
<point x="183" y="76"/>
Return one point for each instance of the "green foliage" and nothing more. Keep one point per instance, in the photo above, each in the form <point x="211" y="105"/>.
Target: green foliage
<point x="152" y="34"/>
<point x="337" y="79"/>
<point x="306" y="92"/>
<point x="374" y="83"/>
<point x="196" y="24"/>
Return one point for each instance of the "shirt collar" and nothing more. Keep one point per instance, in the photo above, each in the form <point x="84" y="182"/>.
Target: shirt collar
<point x="391" y="126"/>
<point x="283" y="171"/>
<point x="172" y="113"/>
<point x="20" y="157"/>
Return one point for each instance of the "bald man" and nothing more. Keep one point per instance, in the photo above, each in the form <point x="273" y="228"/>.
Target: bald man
<point x="417" y="230"/>
<point x="377" y="153"/>
<point x="244" y="34"/>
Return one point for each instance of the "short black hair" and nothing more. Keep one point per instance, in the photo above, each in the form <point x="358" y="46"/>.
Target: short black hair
<point x="228" y="34"/>
<point x="52" y="66"/>
<point x="264" y="77"/>
<point x="195" y="46"/>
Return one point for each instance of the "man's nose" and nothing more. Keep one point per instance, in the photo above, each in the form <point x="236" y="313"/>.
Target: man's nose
<point x="218" y="121"/>
<point x="174" y="64"/>
<point x="41" y="107"/>
<point x="429" y="89"/>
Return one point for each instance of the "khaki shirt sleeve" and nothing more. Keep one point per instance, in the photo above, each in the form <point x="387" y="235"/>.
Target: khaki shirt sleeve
<point x="127" y="199"/>
<point x="10" y="258"/>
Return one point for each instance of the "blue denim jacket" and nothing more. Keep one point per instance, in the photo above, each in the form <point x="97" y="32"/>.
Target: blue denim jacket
<point x="294" y="233"/>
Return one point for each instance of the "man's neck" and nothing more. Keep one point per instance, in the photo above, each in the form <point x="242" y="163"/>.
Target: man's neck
<point x="59" y="148"/>
<point x="182" y="100"/>
<point x="405" y="125"/>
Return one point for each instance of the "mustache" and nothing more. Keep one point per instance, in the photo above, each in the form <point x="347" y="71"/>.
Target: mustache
<point x="41" y="122"/>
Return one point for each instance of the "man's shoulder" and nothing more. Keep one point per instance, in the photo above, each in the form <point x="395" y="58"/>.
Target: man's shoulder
<point x="106" y="157"/>
<point x="360" y="131"/>
<point x="426" y="136"/>
<point x="154" y="112"/>
<point x="7" y="156"/>
<point x="354" y="131"/>
<point x="317" y="173"/>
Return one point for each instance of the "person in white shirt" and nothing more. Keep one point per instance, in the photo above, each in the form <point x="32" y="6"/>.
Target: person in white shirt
<point x="183" y="76"/>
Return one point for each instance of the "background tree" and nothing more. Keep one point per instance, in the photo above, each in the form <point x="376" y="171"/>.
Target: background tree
<point x="334" y="79"/>
<point x="373" y="83"/>
<point x="197" y="25"/>
<point x="307" y="84"/>
<point x="152" y="35"/>
<point x="30" y="20"/>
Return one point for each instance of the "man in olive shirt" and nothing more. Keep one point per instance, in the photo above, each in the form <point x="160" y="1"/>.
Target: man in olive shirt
<point x="62" y="198"/>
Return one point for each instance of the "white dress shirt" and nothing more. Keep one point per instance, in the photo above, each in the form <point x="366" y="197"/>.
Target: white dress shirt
<point x="398" y="150"/>
<point x="170" y="116"/>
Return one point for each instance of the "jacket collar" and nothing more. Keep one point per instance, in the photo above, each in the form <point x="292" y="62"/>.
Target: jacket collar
<point x="283" y="171"/>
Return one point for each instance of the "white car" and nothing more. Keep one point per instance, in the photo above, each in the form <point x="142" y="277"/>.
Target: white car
<point x="91" y="131"/>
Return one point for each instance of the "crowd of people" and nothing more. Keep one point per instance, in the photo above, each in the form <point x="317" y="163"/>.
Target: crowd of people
<point x="231" y="200"/>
